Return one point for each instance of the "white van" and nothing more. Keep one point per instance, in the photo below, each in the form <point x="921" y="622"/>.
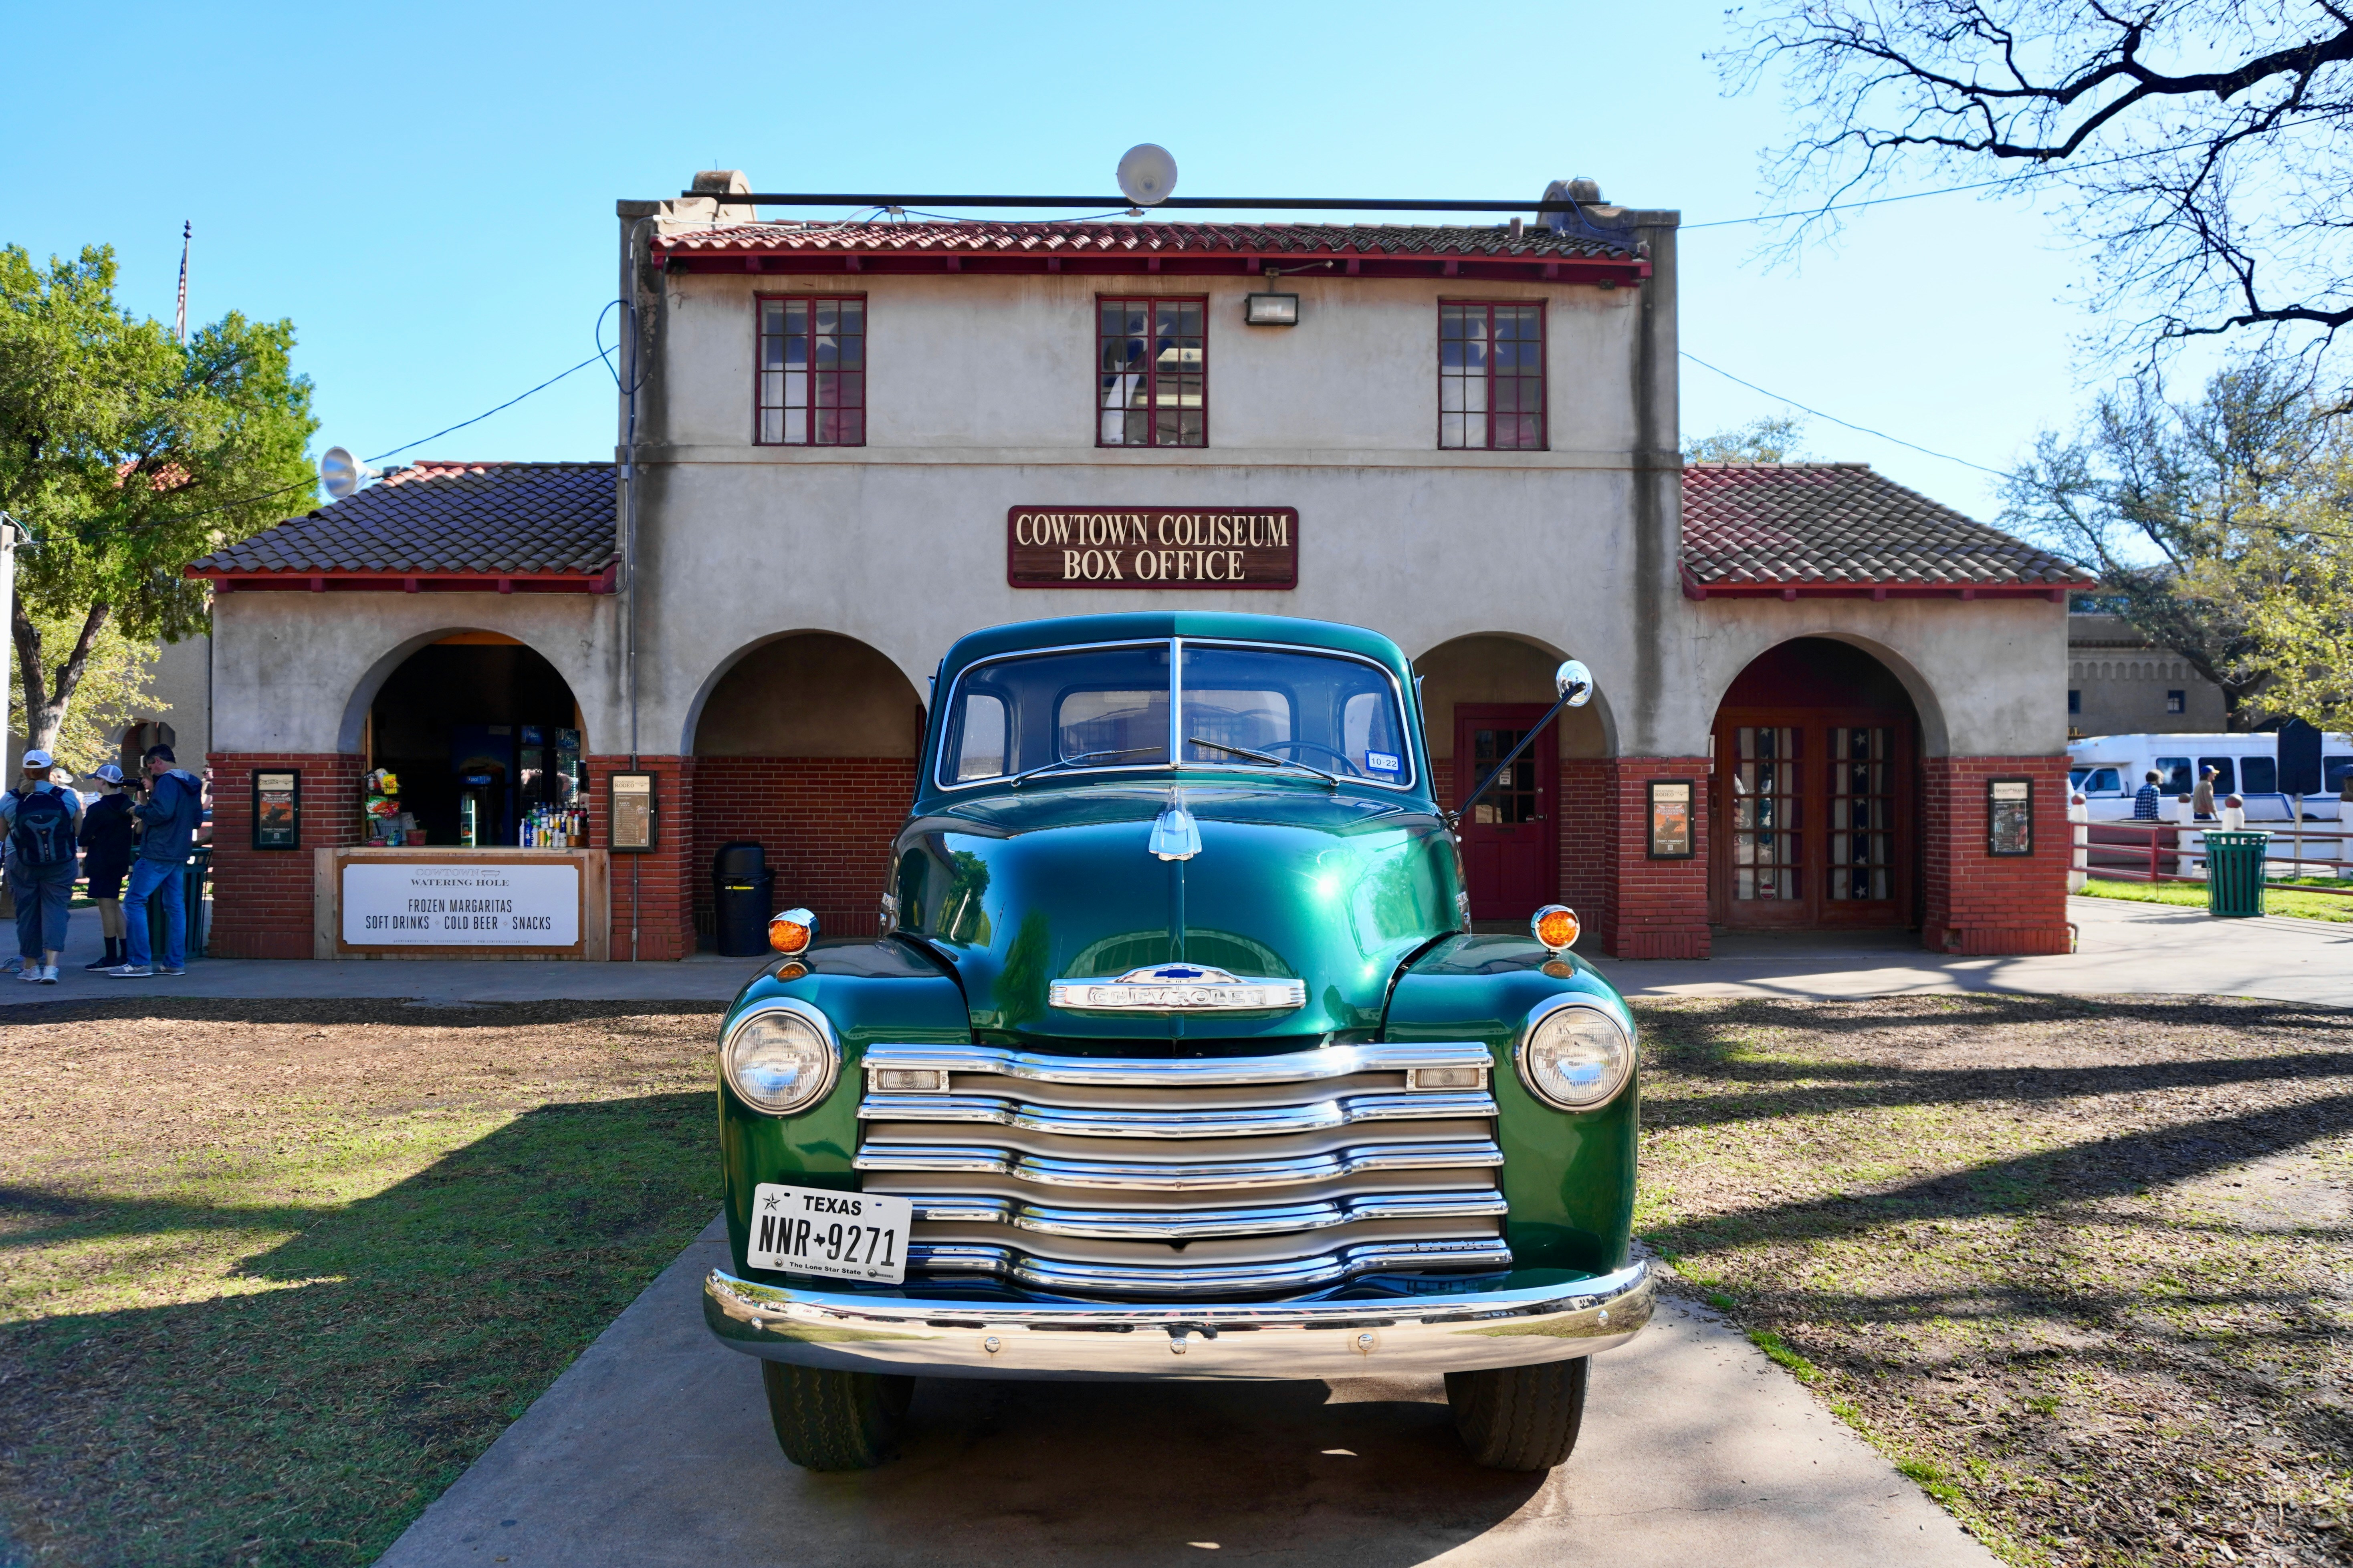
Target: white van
<point x="2108" y="769"/>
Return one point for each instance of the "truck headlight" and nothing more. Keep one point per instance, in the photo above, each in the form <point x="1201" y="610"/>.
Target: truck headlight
<point x="1573" y="1055"/>
<point x="780" y="1057"/>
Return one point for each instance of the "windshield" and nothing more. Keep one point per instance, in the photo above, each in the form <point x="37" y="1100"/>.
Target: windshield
<point x="1237" y="707"/>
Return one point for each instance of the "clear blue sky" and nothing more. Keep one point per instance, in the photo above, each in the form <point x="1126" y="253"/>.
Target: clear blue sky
<point x="427" y="190"/>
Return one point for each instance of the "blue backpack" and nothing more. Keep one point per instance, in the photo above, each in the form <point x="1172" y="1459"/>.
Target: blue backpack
<point x="44" y="833"/>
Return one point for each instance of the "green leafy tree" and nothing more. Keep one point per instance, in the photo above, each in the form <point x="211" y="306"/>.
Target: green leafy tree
<point x="125" y="454"/>
<point x="1772" y="439"/>
<point x="2303" y="614"/>
<point x="2179" y="507"/>
<point x="113" y="692"/>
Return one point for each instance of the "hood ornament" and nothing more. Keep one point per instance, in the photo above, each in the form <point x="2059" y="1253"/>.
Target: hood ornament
<point x="1175" y="835"/>
<point x="1179" y="988"/>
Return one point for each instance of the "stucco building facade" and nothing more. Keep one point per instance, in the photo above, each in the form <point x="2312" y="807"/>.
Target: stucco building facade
<point x="831" y="434"/>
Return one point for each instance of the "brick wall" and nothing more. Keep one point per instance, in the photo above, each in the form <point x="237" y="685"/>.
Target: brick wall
<point x="1983" y="904"/>
<point x="1653" y="909"/>
<point x="825" y="823"/>
<point x="263" y="898"/>
<point x="1586" y="884"/>
<point x="653" y="894"/>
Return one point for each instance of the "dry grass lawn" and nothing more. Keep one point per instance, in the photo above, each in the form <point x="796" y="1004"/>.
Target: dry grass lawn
<point x="272" y="1274"/>
<point x="2081" y="1266"/>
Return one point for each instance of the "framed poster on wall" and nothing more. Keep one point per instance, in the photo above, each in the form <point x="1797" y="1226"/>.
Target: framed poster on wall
<point x="1671" y="819"/>
<point x="277" y="810"/>
<point x="2009" y="817"/>
<point x="630" y="811"/>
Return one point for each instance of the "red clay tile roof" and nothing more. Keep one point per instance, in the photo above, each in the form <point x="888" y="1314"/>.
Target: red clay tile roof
<point x="987" y="237"/>
<point x="1755" y="525"/>
<point x="445" y="519"/>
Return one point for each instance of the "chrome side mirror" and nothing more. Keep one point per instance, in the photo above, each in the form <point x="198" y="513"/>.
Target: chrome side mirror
<point x="1574" y="682"/>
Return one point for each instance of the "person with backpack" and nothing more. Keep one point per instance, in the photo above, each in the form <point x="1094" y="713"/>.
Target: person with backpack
<point x="40" y="818"/>
<point x="167" y="827"/>
<point x="107" y="841"/>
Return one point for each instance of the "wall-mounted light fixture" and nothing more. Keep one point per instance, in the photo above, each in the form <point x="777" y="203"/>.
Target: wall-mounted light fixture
<point x="1271" y="309"/>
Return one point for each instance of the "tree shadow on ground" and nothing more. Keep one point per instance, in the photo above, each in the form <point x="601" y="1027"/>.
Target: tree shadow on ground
<point x="346" y="1375"/>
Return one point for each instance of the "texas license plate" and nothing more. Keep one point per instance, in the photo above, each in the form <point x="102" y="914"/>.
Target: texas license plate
<point x="842" y="1236"/>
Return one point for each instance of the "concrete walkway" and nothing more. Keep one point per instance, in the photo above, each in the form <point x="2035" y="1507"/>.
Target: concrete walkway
<point x="2123" y="949"/>
<point x="2126" y="949"/>
<point x="655" y="1449"/>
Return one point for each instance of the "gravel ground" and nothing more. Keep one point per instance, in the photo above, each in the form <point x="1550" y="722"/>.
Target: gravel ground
<point x="2079" y="1265"/>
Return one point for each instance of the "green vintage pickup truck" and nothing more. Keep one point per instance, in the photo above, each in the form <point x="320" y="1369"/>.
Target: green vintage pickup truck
<point x="1177" y="1058"/>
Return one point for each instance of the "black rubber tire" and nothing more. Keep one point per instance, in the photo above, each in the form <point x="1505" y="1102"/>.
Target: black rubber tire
<point x="1520" y="1417"/>
<point x="836" y="1420"/>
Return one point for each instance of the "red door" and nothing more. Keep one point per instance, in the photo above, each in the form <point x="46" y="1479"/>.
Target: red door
<point x="1510" y="843"/>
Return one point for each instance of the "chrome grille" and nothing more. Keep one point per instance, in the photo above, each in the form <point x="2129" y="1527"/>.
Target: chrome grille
<point x="1230" y="1175"/>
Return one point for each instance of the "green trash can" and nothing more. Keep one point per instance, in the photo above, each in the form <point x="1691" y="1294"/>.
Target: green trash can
<point x="2234" y="874"/>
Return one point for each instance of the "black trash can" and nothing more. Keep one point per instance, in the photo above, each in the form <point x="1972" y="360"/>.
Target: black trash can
<point x="743" y="892"/>
<point x="192" y="878"/>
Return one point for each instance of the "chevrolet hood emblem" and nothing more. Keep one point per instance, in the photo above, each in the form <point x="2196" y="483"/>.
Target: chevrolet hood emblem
<point x="1179" y="988"/>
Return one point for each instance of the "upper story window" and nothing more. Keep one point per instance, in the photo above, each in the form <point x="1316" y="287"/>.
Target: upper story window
<point x="1152" y="373"/>
<point x="812" y="371"/>
<point x="1491" y="374"/>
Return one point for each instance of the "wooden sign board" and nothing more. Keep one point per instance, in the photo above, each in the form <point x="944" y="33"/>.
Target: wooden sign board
<point x="1151" y="547"/>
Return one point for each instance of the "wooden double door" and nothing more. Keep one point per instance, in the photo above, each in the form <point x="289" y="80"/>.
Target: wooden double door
<point x="1815" y="818"/>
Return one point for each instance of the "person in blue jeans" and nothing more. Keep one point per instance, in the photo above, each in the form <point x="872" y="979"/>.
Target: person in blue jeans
<point x="40" y="819"/>
<point x="167" y="821"/>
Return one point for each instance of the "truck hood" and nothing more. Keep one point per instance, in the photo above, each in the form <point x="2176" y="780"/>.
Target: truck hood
<point x="1021" y="888"/>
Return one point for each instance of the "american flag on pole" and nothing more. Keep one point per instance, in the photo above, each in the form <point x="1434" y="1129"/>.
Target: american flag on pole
<point x="187" y="230"/>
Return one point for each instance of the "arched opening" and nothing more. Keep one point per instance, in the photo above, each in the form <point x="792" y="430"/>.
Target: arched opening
<point x="805" y="745"/>
<point x="1479" y="695"/>
<point x="1816" y="793"/>
<point x="483" y="738"/>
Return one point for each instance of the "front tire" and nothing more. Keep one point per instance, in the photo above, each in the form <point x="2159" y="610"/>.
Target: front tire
<point x="1520" y="1417"/>
<point x="836" y="1420"/>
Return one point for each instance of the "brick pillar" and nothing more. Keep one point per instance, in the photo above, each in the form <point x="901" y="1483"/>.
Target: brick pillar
<point x="1585" y="811"/>
<point x="653" y="894"/>
<point x="263" y="898"/>
<point x="1654" y="909"/>
<point x="1983" y="905"/>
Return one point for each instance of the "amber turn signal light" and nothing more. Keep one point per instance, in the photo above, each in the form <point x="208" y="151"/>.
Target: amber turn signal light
<point x="1555" y="926"/>
<point x="791" y="933"/>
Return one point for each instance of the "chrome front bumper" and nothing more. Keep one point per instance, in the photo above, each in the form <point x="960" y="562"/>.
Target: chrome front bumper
<point x="1381" y="1337"/>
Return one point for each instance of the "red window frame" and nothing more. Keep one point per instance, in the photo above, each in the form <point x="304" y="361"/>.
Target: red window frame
<point x="1494" y="390"/>
<point x="1111" y="367"/>
<point x="841" y="422"/>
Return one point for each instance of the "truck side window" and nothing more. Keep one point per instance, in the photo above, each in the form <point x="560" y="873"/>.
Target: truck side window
<point x="2103" y="780"/>
<point x="2260" y="775"/>
<point x="2178" y="778"/>
<point x="2332" y="772"/>
<point x="2226" y="776"/>
<point x="980" y="748"/>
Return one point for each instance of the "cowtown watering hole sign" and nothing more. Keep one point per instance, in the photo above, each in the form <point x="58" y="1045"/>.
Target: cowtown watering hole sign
<point x="389" y="904"/>
<point x="1151" y="547"/>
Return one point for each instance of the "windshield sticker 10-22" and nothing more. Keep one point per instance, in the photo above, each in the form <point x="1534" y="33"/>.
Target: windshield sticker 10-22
<point x="1384" y="763"/>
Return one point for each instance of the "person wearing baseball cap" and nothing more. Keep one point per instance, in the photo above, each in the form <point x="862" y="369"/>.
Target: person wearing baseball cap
<point x="39" y="819"/>
<point x="107" y="842"/>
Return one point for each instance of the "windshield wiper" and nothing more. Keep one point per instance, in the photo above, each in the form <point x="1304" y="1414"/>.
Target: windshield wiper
<point x="1268" y="757"/>
<point x="1074" y="762"/>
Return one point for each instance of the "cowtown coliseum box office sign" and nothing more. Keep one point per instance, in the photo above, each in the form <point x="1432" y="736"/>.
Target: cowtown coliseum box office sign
<point x="398" y="903"/>
<point x="1151" y="547"/>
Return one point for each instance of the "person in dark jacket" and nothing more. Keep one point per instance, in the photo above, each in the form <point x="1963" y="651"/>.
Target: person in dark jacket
<point x="107" y="842"/>
<point x="167" y="827"/>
